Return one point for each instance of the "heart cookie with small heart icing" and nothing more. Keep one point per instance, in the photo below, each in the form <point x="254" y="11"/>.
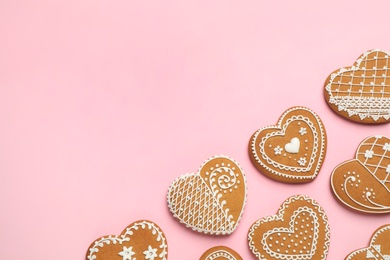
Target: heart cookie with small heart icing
<point x="379" y="248"/>
<point x="213" y="199"/>
<point x="300" y="230"/>
<point x="363" y="183"/>
<point x="142" y="239"/>
<point x="293" y="150"/>
<point x="361" y="92"/>
<point x="220" y="253"/>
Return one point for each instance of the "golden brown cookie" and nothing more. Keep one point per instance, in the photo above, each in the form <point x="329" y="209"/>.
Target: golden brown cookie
<point x="220" y="253"/>
<point x="211" y="200"/>
<point x="300" y="230"/>
<point x="379" y="248"/>
<point x="142" y="239"/>
<point x="293" y="150"/>
<point x="361" y="92"/>
<point x="363" y="183"/>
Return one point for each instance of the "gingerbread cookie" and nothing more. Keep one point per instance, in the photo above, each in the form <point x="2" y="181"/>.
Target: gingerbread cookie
<point x="379" y="248"/>
<point x="140" y="240"/>
<point x="362" y="92"/>
<point x="300" y="230"/>
<point x="293" y="150"/>
<point x="220" y="253"/>
<point x="211" y="200"/>
<point x="363" y="183"/>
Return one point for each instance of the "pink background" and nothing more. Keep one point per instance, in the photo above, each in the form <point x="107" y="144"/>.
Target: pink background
<point x="104" y="103"/>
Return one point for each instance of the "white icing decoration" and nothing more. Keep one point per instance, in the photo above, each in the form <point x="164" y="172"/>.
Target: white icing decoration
<point x="302" y="161"/>
<point x="293" y="145"/>
<point x="379" y="171"/>
<point x="368" y="154"/>
<point x="319" y="219"/>
<point x="372" y="99"/>
<point x="291" y="231"/>
<point x="151" y="253"/>
<point x="220" y="253"/>
<point x="217" y="219"/>
<point x="374" y="250"/>
<point x="127" y="252"/>
<point x="278" y="150"/>
<point x="317" y="147"/>
<point x="303" y="131"/>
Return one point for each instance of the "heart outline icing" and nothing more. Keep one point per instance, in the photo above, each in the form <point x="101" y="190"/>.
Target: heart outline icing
<point x="363" y="183"/>
<point x="299" y="230"/>
<point x="141" y="238"/>
<point x="293" y="150"/>
<point x="362" y="92"/>
<point x="212" y="200"/>
<point x="379" y="247"/>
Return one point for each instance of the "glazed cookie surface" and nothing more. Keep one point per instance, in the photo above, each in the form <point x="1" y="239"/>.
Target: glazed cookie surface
<point x="213" y="199"/>
<point x="220" y="253"/>
<point x="293" y="150"/>
<point x="378" y="249"/>
<point x="363" y="183"/>
<point x="361" y="92"/>
<point x="299" y="230"/>
<point x="142" y="239"/>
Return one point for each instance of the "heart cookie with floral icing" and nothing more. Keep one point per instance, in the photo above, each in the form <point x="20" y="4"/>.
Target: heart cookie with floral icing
<point x="300" y="230"/>
<point x="362" y="92"/>
<point x="140" y="240"/>
<point x="213" y="199"/>
<point x="292" y="151"/>
<point x="220" y="253"/>
<point x="379" y="248"/>
<point x="363" y="183"/>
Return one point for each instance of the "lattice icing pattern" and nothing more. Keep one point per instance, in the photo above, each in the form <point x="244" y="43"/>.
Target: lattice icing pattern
<point x="213" y="199"/>
<point x="362" y="92"/>
<point x="300" y="230"/>
<point x="363" y="183"/>
<point x="378" y="249"/>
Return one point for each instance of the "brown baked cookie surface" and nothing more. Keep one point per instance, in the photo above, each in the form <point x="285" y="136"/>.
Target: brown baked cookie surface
<point x="142" y="239"/>
<point x="293" y="150"/>
<point x="220" y="253"/>
<point x="363" y="183"/>
<point x="213" y="199"/>
<point x="378" y="249"/>
<point x="361" y="92"/>
<point x="299" y="230"/>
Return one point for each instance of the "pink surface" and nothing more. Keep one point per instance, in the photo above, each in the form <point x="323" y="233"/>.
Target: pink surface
<point x="104" y="103"/>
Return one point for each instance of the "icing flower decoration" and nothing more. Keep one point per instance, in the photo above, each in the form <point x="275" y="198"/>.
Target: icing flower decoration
<point x="302" y="131"/>
<point x="127" y="253"/>
<point x="302" y="161"/>
<point x="386" y="147"/>
<point x="150" y="254"/>
<point x="369" y="154"/>
<point x="278" y="150"/>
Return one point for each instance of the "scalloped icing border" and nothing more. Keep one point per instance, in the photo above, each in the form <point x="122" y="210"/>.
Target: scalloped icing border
<point x="355" y="67"/>
<point x="322" y="151"/>
<point x="280" y="216"/>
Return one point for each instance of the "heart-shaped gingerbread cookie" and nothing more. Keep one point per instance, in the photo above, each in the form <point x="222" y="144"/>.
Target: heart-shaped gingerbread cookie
<point x="300" y="230"/>
<point x="220" y="253"/>
<point x="140" y="240"/>
<point x="292" y="151"/>
<point x="362" y="92"/>
<point x="211" y="200"/>
<point x="379" y="248"/>
<point x="363" y="183"/>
